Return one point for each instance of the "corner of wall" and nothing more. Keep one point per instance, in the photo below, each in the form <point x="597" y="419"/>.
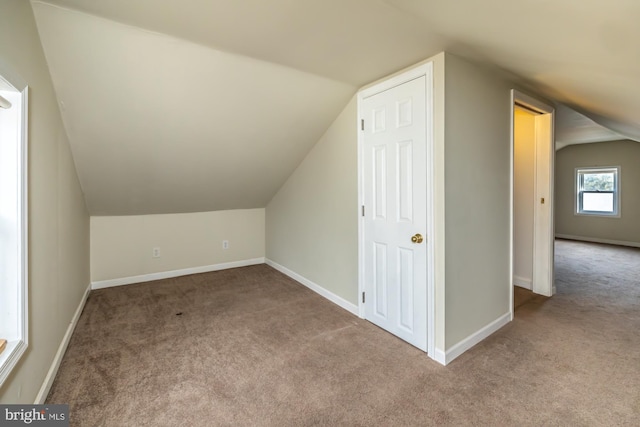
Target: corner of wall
<point x="477" y="198"/>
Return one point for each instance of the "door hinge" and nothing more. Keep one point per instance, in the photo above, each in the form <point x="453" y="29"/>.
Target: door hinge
<point x="362" y="210"/>
<point x="362" y="124"/>
<point x="363" y="297"/>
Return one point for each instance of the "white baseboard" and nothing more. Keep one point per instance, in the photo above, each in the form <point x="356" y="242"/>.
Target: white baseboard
<point x="440" y="356"/>
<point x="350" y="307"/>
<point x="174" y="273"/>
<point x="55" y="364"/>
<point x="597" y="240"/>
<point x="523" y="282"/>
<point x="475" y="338"/>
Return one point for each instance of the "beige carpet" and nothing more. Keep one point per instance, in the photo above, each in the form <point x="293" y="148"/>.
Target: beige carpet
<point x="249" y="346"/>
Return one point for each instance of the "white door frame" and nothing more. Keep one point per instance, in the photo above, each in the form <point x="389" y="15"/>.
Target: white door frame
<point x="544" y="228"/>
<point x="425" y="69"/>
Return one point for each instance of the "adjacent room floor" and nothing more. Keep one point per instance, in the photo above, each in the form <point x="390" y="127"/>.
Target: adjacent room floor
<point x="250" y="346"/>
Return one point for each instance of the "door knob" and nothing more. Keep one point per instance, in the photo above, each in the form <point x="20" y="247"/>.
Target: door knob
<point x="417" y="238"/>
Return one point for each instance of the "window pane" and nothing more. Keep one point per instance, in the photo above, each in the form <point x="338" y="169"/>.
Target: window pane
<point x="598" y="181"/>
<point x="599" y="202"/>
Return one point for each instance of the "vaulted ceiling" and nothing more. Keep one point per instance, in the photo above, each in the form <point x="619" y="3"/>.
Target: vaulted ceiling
<point x="198" y="105"/>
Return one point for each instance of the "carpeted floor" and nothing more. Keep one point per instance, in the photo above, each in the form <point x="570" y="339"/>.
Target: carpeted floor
<point x="250" y="347"/>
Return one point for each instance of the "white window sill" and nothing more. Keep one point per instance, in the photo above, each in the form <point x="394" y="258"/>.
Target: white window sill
<point x="10" y="357"/>
<point x="597" y="214"/>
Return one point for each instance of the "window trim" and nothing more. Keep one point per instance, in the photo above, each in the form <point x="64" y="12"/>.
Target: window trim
<point x="617" y="192"/>
<point x="15" y="349"/>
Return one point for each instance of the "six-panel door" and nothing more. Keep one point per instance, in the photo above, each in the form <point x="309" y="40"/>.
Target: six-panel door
<point x="394" y="167"/>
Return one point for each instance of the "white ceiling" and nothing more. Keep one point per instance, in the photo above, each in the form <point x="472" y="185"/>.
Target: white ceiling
<point x="200" y="105"/>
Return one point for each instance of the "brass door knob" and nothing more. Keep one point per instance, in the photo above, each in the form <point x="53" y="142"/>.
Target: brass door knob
<point x="417" y="238"/>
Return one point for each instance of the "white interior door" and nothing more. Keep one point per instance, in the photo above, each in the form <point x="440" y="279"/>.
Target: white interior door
<point x="395" y="216"/>
<point x="543" y="239"/>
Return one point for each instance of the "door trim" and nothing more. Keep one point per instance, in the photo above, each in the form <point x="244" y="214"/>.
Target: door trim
<point x="426" y="70"/>
<point x="538" y="106"/>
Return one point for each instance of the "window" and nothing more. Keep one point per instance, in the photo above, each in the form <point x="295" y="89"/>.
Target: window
<point x="598" y="191"/>
<point x="13" y="219"/>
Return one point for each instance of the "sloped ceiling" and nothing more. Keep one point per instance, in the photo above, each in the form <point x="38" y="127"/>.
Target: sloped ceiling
<point x="574" y="128"/>
<point x="160" y="125"/>
<point x="193" y="105"/>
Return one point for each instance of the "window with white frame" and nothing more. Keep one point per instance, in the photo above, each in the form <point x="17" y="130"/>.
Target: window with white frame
<point x="13" y="220"/>
<point x="598" y="191"/>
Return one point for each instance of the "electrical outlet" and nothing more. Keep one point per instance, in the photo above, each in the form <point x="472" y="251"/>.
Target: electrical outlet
<point x="156" y="253"/>
<point x="225" y="244"/>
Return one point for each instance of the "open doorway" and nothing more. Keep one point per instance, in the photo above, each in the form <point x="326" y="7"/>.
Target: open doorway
<point x="532" y="226"/>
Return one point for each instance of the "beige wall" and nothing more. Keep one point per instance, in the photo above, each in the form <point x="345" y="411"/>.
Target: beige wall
<point x="312" y="223"/>
<point x="58" y="221"/>
<point x="121" y="246"/>
<point x="625" y="154"/>
<point x="523" y="188"/>
<point x="477" y="192"/>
